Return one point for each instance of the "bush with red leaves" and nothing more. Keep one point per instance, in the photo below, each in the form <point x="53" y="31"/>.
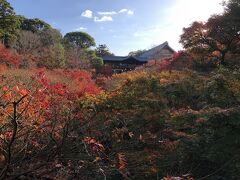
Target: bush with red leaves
<point x="180" y="61"/>
<point x="7" y="57"/>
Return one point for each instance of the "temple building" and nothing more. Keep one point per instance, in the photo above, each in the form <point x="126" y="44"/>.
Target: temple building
<point x="126" y="63"/>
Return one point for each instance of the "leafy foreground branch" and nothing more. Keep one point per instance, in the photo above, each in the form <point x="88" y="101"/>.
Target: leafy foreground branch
<point x="14" y="124"/>
<point x="149" y="126"/>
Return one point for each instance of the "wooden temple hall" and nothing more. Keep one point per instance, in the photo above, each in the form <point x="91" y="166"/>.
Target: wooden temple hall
<point x="127" y="63"/>
<point x="124" y="63"/>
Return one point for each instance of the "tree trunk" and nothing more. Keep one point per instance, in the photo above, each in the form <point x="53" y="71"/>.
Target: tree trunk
<point x="222" y="59"/>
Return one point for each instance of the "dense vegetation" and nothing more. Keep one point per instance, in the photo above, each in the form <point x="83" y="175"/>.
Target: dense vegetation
<point x="38" y="44"/>
<point x="170" y="119"/>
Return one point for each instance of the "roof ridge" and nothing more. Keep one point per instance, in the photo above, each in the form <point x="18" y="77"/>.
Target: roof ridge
<point x="161" y="45"/>
<point x="152" y="50"/>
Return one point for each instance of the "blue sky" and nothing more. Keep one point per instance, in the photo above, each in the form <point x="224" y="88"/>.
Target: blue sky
<point x="123" y="25"/>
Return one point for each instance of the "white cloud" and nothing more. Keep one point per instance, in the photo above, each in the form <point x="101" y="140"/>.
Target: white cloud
<point x="87" y="14"/>
<point x="122" y="11"/>
<point x="130" y="12"/>
<point x="103" y="19"/>
<point x="107" y="13"/>
<point x="81" y="29"/>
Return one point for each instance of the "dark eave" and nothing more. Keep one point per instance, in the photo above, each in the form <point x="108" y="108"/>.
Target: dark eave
<point x="124" y="59"/>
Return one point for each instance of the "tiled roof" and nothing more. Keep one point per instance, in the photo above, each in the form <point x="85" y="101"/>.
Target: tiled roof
<point x="151" y="52"/>
<point x="115" y="58"/>
<point x="143" y="58"/>
<point x="123" y="58"/>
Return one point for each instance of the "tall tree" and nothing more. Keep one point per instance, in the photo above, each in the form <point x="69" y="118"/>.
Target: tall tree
<point x="50" y="37"/>
<point x="102" y="50"/>
<point x="218" y="36"/>
<point x="232" y="7"/>
<point x="223" y="35"/>
<point x="79" y="58"/>
<point x="97" y="63"/>
<point x="79" y="39"/>
<point x="232" y="11"/>
<point x="9" y="23"/>
<point x="53" y="57"/>
<point x="28" y="45"/>
<point x="35" y="25"/>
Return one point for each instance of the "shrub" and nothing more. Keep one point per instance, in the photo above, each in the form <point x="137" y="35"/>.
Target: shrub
<point x="8" y="58"/>
<point x="97" y="63"/>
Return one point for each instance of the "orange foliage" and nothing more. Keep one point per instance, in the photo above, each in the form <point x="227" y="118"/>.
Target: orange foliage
<point x="41" y="111"/>
<point x="8" y="58"/>
<point x="80" y="83"/>
<point x="180" y="60"/>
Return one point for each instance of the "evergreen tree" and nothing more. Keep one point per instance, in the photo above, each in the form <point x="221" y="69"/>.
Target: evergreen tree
<point x="9" y="23"/>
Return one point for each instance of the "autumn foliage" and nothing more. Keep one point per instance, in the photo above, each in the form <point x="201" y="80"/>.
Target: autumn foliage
<point x="164" y="120"/>
<point x="39" y="109"/>
<point x="8" y="58"/>
<point x="180" y="61"/>
<point x="144" y="123"/>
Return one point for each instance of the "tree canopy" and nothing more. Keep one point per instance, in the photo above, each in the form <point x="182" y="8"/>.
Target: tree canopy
<point x="9" y="23"/>
<point x="218" y="36"/>
<point x="35" y="25"/>
<point x="79" y="39"/>
<point x="50" y="36"/>
<point x="102" y="50"/>
<point x="97" y="63"/>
